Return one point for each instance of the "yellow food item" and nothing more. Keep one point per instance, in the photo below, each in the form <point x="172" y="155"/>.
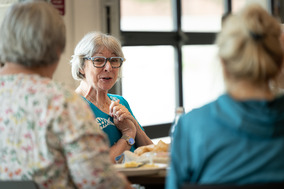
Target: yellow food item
<point x="131" y="164"/>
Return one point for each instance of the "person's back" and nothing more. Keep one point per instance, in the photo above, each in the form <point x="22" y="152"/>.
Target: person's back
<point x="47" y="132"/>
<point x="41" y="122"/>
<point x="239" y="138"/>
<point x="231" y="142"/>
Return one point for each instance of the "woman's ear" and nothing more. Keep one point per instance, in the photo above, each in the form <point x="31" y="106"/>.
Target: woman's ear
<point x="222" y="61"/>
<point x="82" y="73"/>
<point x="225" y="73"/>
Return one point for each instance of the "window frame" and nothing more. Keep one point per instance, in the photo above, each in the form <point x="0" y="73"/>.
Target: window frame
<point x="177" y="39"/>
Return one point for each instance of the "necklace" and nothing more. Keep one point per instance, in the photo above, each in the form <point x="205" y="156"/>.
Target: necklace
<point x="103" y="107"/>
<point x="89" y="98"/>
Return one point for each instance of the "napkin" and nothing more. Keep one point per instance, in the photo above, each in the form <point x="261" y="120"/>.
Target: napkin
<point x="148" y="157"/>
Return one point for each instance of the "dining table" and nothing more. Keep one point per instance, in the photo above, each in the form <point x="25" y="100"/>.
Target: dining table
<point x="148" y="177"/>
<point x="150" y="181"/>
<point x="153" y="174"/>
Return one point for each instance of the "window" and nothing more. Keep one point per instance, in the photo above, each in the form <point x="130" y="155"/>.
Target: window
<point x="202" y="75"/>
<point x="146" y="15"/>
<point x="171" y="57"/>
<point x="201" y="15"/>
<point x="151" y="85"/>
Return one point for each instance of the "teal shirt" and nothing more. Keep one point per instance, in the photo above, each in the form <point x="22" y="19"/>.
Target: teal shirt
<point x="229" y="141"/>
<point x="106" y="123"/>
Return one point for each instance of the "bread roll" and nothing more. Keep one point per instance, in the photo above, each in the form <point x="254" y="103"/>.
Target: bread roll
<point x="160" y="147"/>
<point x="143" y="149"/>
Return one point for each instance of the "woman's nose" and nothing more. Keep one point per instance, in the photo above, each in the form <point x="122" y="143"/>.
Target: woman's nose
<point x="108" y="66"/>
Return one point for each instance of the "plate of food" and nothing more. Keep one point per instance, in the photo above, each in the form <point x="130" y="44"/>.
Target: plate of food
<point x="138" y="168"/>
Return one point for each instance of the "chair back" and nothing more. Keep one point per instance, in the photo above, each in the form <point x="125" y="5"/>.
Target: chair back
<point x="231" y="186"/>
<point x="12" y="184"/>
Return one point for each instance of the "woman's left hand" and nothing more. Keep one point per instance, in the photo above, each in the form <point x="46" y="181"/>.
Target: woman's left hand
<point x="119" y="112"/>
<point x="125" y="122"/>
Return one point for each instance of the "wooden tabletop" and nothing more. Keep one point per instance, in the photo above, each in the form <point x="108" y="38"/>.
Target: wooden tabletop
<point x="156" y="181"/>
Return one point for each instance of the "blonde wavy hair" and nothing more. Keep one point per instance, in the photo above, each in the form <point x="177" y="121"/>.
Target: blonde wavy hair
<point x="249" y="45"/>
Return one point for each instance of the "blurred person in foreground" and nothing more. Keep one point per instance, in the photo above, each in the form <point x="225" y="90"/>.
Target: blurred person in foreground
<point x="239" y="138"/>
<point x="96" y="63"/>
<point x="47" y="132"/>
<point x="278" y="85"/>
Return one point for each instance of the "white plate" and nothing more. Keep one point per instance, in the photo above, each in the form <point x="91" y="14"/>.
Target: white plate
<point x="140" y="170"/>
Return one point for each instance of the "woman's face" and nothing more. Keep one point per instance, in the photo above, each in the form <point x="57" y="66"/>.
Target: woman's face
<point x="101" y="79"/>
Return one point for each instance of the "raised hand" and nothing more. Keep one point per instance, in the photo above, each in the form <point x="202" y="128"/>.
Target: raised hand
<point x="123" y="119"/>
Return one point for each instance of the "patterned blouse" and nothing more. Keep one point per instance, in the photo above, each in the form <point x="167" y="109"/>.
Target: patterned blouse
<point x="48" y="134"/>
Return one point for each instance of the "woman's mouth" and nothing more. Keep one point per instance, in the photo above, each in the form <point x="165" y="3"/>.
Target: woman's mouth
<point x="106" y="78"/>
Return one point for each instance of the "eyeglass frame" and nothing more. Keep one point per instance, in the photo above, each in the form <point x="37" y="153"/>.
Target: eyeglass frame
<point x="106" y="59"/>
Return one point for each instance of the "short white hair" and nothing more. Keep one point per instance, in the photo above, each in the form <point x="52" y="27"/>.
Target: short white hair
<point x="32" y="34"/>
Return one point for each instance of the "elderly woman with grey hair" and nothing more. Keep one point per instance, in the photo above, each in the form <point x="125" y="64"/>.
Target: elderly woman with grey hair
<point x="47" y="132"/>
<point x="96" y="64"/>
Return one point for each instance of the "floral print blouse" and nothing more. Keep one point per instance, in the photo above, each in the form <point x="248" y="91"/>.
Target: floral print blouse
<point x="48" y="134"/>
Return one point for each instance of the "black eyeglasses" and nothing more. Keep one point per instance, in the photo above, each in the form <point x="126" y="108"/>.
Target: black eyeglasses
<point x="100" y="61"/>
